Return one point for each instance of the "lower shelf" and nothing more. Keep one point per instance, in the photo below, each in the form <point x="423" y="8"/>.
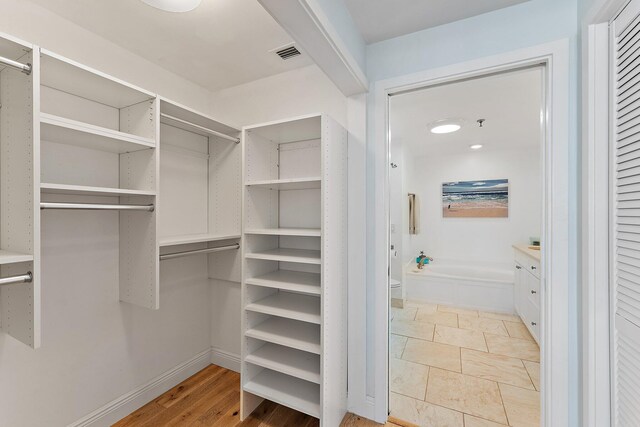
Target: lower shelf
<point x="289" y="333"/>
<point x="299" y="364"/>
<point x="292" y="392"/>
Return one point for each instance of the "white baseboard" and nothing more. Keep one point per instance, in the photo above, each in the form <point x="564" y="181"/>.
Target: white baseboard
<point x="225" y="359"/>
<point x="129" y="402"/>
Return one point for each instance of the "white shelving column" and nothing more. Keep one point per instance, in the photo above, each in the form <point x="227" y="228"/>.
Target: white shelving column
<point x="98" y="146"/>
<point x="19" y="192"/>
<point x="200" y="188"/>
<point x="294" y="275"/>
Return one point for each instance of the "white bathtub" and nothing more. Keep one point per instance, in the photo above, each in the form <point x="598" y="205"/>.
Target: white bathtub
<point x="461" y="284"/>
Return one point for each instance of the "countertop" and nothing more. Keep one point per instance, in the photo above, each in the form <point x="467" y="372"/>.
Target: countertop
<point x="529" y="252"/>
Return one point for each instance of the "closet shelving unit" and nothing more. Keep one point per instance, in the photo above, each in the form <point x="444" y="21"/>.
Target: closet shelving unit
<point x="294" y="284"/>
<point x="19" y="195"/>
<point x="200" y="184"/>
<point x="98" y="152"/>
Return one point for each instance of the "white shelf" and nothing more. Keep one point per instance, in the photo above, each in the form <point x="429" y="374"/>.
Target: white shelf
<point x="72" y="132"/>
<point x="305" y="308"/>
<point x="302" y="232"/>
<point x="296" y="363"/>
<point x="195" y="238"/>
<point x="10" y="257"/>
<point x="287" y="184"/>
<point x="83" y="190"/>
<point x="289" y="333"/>
<point x="303" y="256"/>
<point x="71" y="77"/>
<point x="308" y="283"/>
<point x="292" y="392"/>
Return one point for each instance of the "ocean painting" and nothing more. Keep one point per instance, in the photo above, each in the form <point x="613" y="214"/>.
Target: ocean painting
<point x="476" y="199"/>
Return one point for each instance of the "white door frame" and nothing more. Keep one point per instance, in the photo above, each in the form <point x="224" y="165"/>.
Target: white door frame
<point x="596" y="133"/>
<point x="555" y="228"/>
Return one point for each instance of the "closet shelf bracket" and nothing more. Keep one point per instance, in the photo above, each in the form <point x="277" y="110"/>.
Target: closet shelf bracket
<point x="25" y="68"/>
<point x="23" y="278"/>
<point x="200" y="251"/>
<point x="90" y="206"/>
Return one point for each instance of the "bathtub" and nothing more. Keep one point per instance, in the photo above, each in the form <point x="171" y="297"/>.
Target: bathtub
<point x="461" y="284"/>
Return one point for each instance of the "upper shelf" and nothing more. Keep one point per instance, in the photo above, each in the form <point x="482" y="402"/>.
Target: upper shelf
<point x="287" y="184"/>
<point x="195" y="238"/>
<point x="71" y="77"/>
<point x="299" y="129"/>
<point x="10" y="257"/>
<point x="184" y="118"/>
<point x="72" y="132"/>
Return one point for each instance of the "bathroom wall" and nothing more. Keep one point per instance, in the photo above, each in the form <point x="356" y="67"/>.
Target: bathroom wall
<point x="481" y="240"/>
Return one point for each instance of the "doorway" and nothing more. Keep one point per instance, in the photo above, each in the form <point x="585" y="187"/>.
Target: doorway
<point x="465" y="189"/>
<point x="555" y="205"/>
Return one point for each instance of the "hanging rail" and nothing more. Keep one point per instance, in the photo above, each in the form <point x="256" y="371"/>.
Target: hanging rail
<point x="25" y="68"/>
<point x="97" y="207"/>
<point x="202" y="128"/>
<point x="200" y="251"/>
<point x="23" y="278"/>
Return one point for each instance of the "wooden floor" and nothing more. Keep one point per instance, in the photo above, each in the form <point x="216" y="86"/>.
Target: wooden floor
<point x="211" y="397"/>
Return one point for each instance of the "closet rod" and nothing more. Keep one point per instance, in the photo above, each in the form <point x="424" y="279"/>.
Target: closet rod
<point x="211" y="131"/>
<point x="90" y="206"/>
<point x="23" y="278"/>
<point x="25" y="68"/>
<point x="200" y="251"/>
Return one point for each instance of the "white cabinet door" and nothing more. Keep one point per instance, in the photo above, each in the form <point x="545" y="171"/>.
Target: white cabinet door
<point x="518" y="289"/>
<point x="625" y="233"/>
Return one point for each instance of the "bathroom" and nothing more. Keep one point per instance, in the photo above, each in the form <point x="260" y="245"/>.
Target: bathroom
<point x="465" y="218"/>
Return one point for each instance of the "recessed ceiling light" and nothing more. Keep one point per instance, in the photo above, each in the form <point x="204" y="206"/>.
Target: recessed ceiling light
<point x="174" y="5"/>
<point x="444" y="126"/>
<point x="475" y="146"/>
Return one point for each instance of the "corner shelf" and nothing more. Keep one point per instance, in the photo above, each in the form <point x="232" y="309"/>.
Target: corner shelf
<point x="305" y="308"/>
<point x="72" y="132"/>
<point x="10" y="257"/>
<point x="302" y="256"/>
<point x="296" y="363"/>
<point x="83" y="190"/>
<point x="287" y="184"/>
<point x="295" y="393"/>
<point x="289" y="333"/>
<point x="299" y="232"/>
<point x="297" y="281"/>
<point x="195" y="238"/>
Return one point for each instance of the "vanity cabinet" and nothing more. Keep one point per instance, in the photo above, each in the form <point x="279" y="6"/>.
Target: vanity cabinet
<point x="527" y="290"/>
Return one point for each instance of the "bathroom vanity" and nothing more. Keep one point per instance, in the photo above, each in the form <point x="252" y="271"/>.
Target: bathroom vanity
<point x="527" y="287"/>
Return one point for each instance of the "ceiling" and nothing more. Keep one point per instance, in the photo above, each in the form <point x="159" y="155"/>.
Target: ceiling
<point x="511" y="104"/>
<point x="384" y="19"/>
<point x="220" y="44"/>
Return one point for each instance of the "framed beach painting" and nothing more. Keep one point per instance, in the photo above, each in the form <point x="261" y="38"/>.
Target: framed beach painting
<point x="476" y="199"/>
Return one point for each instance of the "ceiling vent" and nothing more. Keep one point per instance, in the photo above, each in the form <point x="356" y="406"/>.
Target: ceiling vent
<point x="287" y="52"/>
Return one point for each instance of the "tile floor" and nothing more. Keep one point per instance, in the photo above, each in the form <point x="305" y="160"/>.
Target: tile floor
<point x="453" y="367"/>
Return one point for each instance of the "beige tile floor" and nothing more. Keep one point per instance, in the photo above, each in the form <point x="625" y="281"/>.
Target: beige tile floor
<point x="454" y="367"/>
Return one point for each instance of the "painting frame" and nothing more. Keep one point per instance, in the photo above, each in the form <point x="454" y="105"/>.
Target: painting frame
<point x="488" y="198"/>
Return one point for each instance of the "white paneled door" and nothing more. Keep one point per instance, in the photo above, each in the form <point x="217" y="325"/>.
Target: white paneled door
<point x="625" y="248"/>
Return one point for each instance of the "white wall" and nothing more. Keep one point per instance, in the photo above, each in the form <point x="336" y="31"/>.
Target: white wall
<point x="294" y="93"/>
<point x="477" y="240"/>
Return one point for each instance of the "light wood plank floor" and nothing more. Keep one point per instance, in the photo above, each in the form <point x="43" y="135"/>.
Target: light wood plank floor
<point x="211" y="397"/>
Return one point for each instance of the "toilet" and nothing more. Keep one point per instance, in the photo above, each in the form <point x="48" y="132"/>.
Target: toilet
<point x="395" y="293"/>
